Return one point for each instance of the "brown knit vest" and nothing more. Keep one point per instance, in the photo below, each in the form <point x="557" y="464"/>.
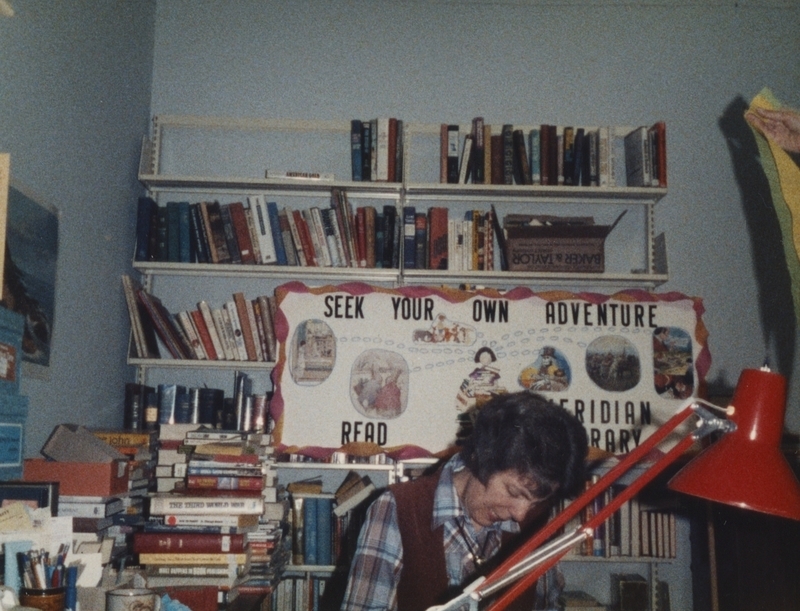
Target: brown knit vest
<point x="423" y="580"/>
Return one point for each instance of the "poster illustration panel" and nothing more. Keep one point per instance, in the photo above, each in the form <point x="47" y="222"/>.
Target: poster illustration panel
<point x="411" y="366"/>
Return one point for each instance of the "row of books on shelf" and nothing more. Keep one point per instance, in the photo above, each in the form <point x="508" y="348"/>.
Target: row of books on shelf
<point x="325" y="526"/>
<point x="241" y="329"/>
<point x="607" y="156"/>
<point x="146" y="407"/>
<point x="335" y="236"/>
<point x="637" y="529"/>
<point x="377" y="237"/>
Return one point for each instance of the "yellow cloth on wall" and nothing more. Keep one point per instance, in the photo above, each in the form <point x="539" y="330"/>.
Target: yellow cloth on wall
<point x="783" y="176"/>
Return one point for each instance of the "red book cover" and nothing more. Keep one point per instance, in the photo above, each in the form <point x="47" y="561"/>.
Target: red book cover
<point x="305" y="238"/>
<point x="224" y="482"/>
<point x="361" y="236"/>
<point x="437" y="237"/>
<point x="369" y="232"/>
<point x="187" y="543"/>
<point x="660" y="168"/>
<point x="244" y="321"/>
<point x="205" y="336"/>
<point x="242" y="231"/>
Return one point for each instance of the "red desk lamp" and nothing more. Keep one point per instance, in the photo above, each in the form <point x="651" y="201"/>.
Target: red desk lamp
<point x="744" y="468"/>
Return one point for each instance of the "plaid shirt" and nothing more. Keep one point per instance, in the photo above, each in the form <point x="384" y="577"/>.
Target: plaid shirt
<point x="378" y="561"/>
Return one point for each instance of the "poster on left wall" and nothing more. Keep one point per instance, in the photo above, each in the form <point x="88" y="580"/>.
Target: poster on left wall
<point x="29" y="279"/>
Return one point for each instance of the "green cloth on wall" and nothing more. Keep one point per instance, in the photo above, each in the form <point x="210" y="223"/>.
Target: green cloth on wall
<point x="783" y="176"/>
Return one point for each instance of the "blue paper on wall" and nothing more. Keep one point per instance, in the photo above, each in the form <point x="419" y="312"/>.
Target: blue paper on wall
<point x="11" y="328"/>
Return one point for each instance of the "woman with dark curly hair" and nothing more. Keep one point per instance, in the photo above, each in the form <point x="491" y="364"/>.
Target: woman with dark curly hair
<point x="424" y="540"/>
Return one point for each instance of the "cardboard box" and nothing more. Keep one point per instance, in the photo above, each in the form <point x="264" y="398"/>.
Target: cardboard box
<point x="79" y="478"/>
<point x="75" y="443"/>
<point x="556" y="245"/>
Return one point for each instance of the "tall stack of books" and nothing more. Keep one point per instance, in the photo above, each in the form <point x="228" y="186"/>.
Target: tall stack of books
<point x="200" y="533"/>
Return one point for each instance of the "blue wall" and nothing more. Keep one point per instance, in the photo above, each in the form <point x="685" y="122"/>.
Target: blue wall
<point x="74" y="103"/>
<point x="568" y="62"/>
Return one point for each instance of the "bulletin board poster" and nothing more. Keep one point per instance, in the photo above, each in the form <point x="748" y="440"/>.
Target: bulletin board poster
<point x="406" y="369"/>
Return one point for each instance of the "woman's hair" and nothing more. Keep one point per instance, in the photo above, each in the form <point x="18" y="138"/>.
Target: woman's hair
<point x="526" y="433"/>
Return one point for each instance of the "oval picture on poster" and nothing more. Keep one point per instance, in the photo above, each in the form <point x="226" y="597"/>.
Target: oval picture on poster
<point x="613" y="363"/>
<point x="549" y="372"/>
<point x="312" y="353"/>
<point x="673" y="372"/>
<point x="379" y="384"/>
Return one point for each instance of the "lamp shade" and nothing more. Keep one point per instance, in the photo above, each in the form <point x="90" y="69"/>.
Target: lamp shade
<point x="746" y="468"/>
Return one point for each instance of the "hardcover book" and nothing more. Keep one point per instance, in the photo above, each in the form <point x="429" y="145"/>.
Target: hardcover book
<point x="192" y="504"/>
<point x="161" y="542"/>
<point x="437" y="237"/>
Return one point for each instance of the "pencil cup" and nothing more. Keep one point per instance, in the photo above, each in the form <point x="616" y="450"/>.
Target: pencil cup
<point x="49" y="599"/>
<point x="132" y="599"/>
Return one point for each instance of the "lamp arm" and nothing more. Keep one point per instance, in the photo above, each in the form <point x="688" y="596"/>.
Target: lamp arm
<point x="526" y="578"/>
<point x="574" y="508"/>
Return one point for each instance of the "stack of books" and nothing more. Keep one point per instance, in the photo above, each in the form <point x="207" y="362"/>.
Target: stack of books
<point x="213" y="527"/>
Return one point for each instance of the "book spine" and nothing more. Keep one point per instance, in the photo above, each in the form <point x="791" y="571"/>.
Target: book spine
<point x="236" y="334"/>
<point x="324" y="531"/>
<point x="479" y="151"/>
<point x="244" y="318"/>
<point x="302" y="237"/>
<point x="466" y="160"/>
<point x="453" y="142"/>
<point x="229" y="232"/>
<point x="319" y="237"/>
<point x="310" y="506"/>
<point x="208" y="320"/>
<point x="204" y="333"/>
<point x="277" y="236"/>
<point x="198" y="352"/>
<point x="171" y="504"/>
<point x="421" y="240"/>
<point x="217" y="228"/>
<point x="192" y="558"/>
<point x="173" y="232"/>
<point x="264" y="231"/>
<point x="409" y="237"/>
<point x="253" y="232"/>
<point x="287" y="234"/>
<point x="335" y="238"/>
<point x="224" y="482"/>
<point x="508" y="154"/>
<point x="193" y="543"/>
<point x="241" y="231"/>
<point x="199" y="236"/>
<point x="269" y="328"/>
<point x="146" y="208"/>
<point x="355" y="150"/>
<point x="437" y="237"/>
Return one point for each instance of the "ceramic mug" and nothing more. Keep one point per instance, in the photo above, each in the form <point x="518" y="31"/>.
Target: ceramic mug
<point x="132" y="599"/>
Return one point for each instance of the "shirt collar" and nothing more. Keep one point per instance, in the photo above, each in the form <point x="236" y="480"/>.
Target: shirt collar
<point x="446" y="504"/>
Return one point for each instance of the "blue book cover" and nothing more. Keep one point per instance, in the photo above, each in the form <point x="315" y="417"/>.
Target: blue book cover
<point x="173" y="232"/>
<point x="147" y="207"/>
<point x="310" y="551"/>
<point x="168" y="402"/>
<point x="277" y="237"/>
<point x="324" y="531"/>
<point x="355" y="149"/>
<point x="199" y="244"/>
<point x="409" y="238"/>
<point x="185" y="246"/>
